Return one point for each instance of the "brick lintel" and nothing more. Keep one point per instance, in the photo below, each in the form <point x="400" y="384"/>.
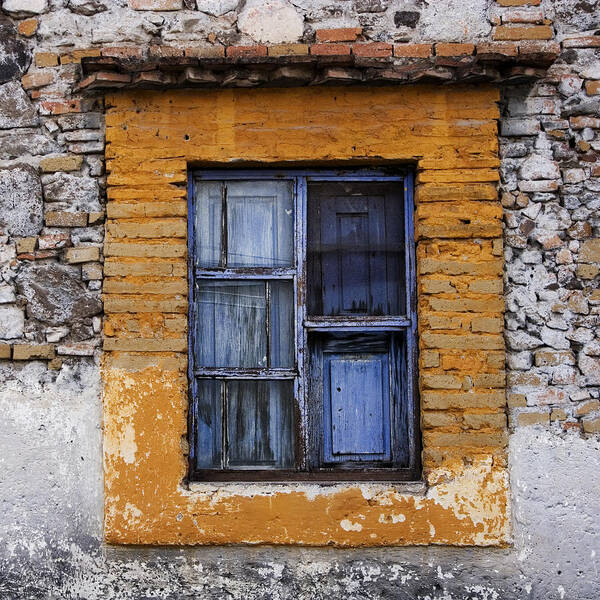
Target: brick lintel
<point x="299" y="65"/>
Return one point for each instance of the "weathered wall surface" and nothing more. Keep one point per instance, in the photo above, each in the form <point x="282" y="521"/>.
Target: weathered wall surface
<point x="52" y="197"/>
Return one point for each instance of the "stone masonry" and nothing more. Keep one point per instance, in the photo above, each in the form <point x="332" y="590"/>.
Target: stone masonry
<point x="60" y="60"/>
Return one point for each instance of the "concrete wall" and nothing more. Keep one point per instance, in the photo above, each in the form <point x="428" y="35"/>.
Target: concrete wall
<point x="52" y="198"/>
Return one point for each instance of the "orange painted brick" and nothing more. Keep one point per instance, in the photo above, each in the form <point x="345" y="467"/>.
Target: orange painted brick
<point x="75" y="56"/>
<point x="413" y="50"/>
<point x="454" y="49"/>
<point x="46" y="59"/>
<point x="288" y="49"/>
<point x="348" y="34"/>
<point x="533" y="32"/>
<point x="373" y="50"/>
<point x="245" y="51"/>
<point x="330" y="49"/>
<point x="33" y="351"/>
<point x="28" y="27"/>
<point x="592" y="88"/>
<point x="537" y="417"/>
<point x="205" y="52"/>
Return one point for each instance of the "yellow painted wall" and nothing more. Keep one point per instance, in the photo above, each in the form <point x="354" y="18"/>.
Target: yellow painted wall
<point x="450" y="135"/>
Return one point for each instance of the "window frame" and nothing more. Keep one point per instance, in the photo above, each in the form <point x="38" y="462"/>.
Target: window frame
<point x="305" y="435"/>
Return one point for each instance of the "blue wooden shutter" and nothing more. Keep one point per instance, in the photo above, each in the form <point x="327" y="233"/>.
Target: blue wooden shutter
<point x="356" y="404"/>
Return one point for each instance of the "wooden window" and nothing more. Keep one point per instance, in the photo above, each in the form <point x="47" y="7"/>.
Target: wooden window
<point x="302" y="326"/>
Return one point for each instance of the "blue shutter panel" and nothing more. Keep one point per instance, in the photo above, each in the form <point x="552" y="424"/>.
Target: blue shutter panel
<point x="356" y="407"/>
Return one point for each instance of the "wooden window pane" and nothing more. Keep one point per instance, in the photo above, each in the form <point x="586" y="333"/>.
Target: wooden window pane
<point x="207" y="225"/>
<point x="260" y="424"/>
<point x="260" y="224"/>
<point x="356" y="249"/>
<point x="208" y="424"/>
<point x="233" y="321"/>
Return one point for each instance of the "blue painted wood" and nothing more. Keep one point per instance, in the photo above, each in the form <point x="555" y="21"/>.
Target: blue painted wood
<point x="259" y="424"/>
<point x="260" y="222"/>
<point x="356" y="407"/>
<point x="208" y="404"/>
<point x="356" y="249"/>
<point x="219" y="419"/>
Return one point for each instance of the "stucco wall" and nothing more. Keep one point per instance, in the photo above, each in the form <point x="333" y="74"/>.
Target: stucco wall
<point x="52" y="186"/>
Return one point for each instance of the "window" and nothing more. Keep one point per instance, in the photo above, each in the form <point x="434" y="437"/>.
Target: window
<point x="302" y="326"/>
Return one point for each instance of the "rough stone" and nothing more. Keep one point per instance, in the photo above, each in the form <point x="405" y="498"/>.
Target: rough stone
<point x="454" y="20"/>
<point x="21" y="206"/>
<point x="21" y="8"/>
<point x="55" y="294"/>
<point x="539" y="167"/>
<point x="87" y="7"/>
<point x="16" y="109"/>
<point x="15" y="55"/>
<point x="590" y="251"/>
<point x="12" y="322"/>
<point x="20" y="142"/>
<point x="80" y="194"/>
<point x="271" y="21"/>
<point x="216" y="8"/>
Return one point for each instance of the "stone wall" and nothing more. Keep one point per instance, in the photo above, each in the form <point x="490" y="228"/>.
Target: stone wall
<point x="52" y="216"/>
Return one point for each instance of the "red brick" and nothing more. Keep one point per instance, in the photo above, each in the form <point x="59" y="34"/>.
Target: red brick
<point x="155" y="77"/>
<point x="288" y="49"/>
<point x="123" y="52"/>
<point x="413" y="50"/>
<point x="330" y="49"/>
<point x="105" y="79"/>
<point x="60" y="107"/>
<point x="497" y="49"/>
<point x="526" y="15"/>
<point x="37" y="80"/>
<point x="550" y="49"/>
<point x="164" y="52"/>
<point x="588" y="41"/>
<point x="348" y="34"/>
<point x="454" y="49"/>
<point x="373" y="49"/>
<point x="246" y="51"/>
<point x="583" y="122"/>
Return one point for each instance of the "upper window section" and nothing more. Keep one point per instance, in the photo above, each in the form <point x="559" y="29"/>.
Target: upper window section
<point x="245" y="224"/>
<point x="356" y="249"/>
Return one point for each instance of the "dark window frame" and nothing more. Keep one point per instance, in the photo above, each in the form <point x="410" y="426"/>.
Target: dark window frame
<point x="307" y="434"/>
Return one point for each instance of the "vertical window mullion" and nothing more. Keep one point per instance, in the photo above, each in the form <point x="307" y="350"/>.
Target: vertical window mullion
<point x="224" y="436"/>
<point x="223" y="257"/>
<point x="301" y="383"/>
<point x="268" y="324"/>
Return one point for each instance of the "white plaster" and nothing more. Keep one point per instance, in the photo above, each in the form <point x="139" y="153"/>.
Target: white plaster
<point x="348" y="525"/>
